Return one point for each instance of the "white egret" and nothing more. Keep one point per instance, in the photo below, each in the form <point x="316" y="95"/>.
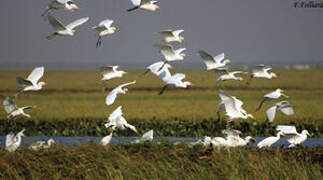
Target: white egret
<point x="42" y="144"/>
<point x="293" y="137"/>
<point x="170" y="54"/>
<point x="106" y="139"/>
<point x="61" y="29"/>
<point x="272" y="95"/>
<point x="113" y="94"/>
<point x="31" y="83"/>
<point x="116" y="120"/>
<point x="104" y="28"/>
<point x="172" y="35"/>
<point x="111" y="72"/>
<point x="233" y="107"/>
<point x="213" y="62"/>
<point x="144" y="4"/>
<point x="262" y="71"/>
<point x="233" y="138"/>
<point x="206" y="141"/>
<point x="283" y="106"/>
<point x="267" y="142"/>
<point x="231" y="76"/>
<point x="156" y="68"/>
<point x="175" y="80"/>
<point x="13" y="142"/>
<point x="61" y="4"/>
<point x="12" y="109"/>
<point x="148" y="136"/>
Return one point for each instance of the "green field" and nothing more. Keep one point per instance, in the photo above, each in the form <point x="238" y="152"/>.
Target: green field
<point x="75" y="94"/>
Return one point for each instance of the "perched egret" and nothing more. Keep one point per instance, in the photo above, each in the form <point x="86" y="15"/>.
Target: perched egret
<point x="283" y="106"/>
<point x="113" y="94"/>
<point x="267" y="142"/>
<point x="233" y="107"/>
<point x="175" y="80"/>
<point x="261" y="71"/>
<point x="104" y="28"/>
<point x="144" y="4"/>
<point x="61" y="4"/>
<point x="42" y="144"/>
<point x="148" y="136"/>
<point x="12" y="109"/>
<point x="215" y="62"/>
<point x="293" y="137"/>
<point x="272" y="95"/>
<point x="231" y="76"/>
<point x="106" y="139"/>
<point x="116" y="120"/>
<point x="172" y="36"/>
<point x="219" y="142"/>
<point x="31" y="83"/>
<point x="233" y="138"/>
<point x="156" y="68"/>
<point x="13" y="142"/>
<point x="170" y="54"/>
<point x="63" y="30"/>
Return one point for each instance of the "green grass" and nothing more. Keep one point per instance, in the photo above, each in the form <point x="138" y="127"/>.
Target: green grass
<point x="163" y="161"/>
<point x="76" y="94"/>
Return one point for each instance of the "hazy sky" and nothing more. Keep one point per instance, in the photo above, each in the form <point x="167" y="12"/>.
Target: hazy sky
<point x="248" y="31"/>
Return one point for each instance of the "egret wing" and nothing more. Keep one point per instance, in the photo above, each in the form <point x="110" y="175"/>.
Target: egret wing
<point x="229" y="102"/>
<point x="136" y="2"/>
<point x="164" y="74"/>
<point x="10" y="139"/>
<point x="9" y="105"/>
<point x="76" y="23"/>
<point x="35" y="75"/>
<point x="126" y="84"/>
<point x="111" y="97"/>
<point x="218" y="58"/>
<point x="165" y="49"/>
<point x="271" y="112"/>
<point x="208" y="58"/>
<point x="167" y="32"/>
<point x="287" y="129"/>
<point x="106" y="69"/>
<point x="115" y="114"/>
<point x="62" y="1"/>
<point x="178" y="76"/>
<point x="148" y="136"/>
<point x="177" y="32"/>
<point x="107" y="23"/>
<point x="56" y="24"/>
<point x="287" y="110"/>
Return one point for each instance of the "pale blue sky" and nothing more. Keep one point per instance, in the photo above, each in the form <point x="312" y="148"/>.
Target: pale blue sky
<point x="248" y="32"/>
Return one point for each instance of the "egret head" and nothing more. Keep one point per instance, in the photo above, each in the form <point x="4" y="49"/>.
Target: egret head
<point x="280" y="90"/>
<point x="273" y="75"/>
<point x="181" y="38"/>
<point x="41" y="84"/>
<point x="239" y="78"/>
<point x="123" y="72"/>
<point x="72" y="6"/>
<point x="250" y="139"/>
<point x="114" y="29"/>
<point x="21" y="133"/>
<point x="187" y="83"/>
<point x="306" y="132"/>
<point x="227" y="61"/>
<point x="51" y="141"/>
<point x="183" y="55"/>
<point x="124" y="90"/>
<point x="280" y="133"/>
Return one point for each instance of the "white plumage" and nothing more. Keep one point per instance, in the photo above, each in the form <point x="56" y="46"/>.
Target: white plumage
<point x="172" y="35"/>
<point x="231" y="76"/>
<point x="111" y="72"/>
<point x="61" y="4"/>
<point x="106" y="139"/>
<point x="31" y="83"/>
<point x="12" y="109"/>
<point x="116" y="120"/>
<point x="213" y="62"/>
<point x="170" y="54"/>
<point x="157" y="67"/>
<point x="283" y="106"/>
<point x="113" y="94"/>
<point x="262" y="71"/>
<point x="104" y="28"/>
<point x="144" y="4"/>
<point x="42" y="144"/>
<point x="13" y="142"/>
<point x="147" y="136"/>
<point x="272" y="95"/>
<point x="293" y="137"/>
<point x="267" y="142"/>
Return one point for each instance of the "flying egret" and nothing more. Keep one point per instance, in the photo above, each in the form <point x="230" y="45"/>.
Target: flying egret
<point x="104" y="28"/>
<point x="170" y="54"/>
<point x="144" y="4"/>
<point x="172" y="35"/>
<point x="267" y="142"/>
<point x="261" y="71"/>
<point x="111" y="72"/>
<point x="113" y="94"/>
<point x="148" y="136"/>
<point x="116" y="120"/>
<point x="283" y="106"/>
<point x="215" y="62"/>
<point x="42" y="144"/>
<point x="233" y="107"/>
<point x="13" y="142"/>
<point x="156" y="68"/>
<point x="12" y="109"/>
<point x="31" y="83"/>
<point x="61" y="29"/>
<point x="272" y="95"/>
<point x="293" y="137"/>
<point x="61" y="4"/>
<point x="231" y="76"/>
<point x="175" y="80"/>
<point x="106" y="139"/>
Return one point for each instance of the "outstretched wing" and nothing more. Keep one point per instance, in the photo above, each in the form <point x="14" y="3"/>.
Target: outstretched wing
<point x="76" y="23"/>
<point x="219" y="58"/>
<point x="165" y="49"/>
<point x="177" y="32"/>
<point x="107" y="69"/>
<point x="167" y="32"/>
<point x="9" y="105"/>
<point x="208" y="58"/>
<point x="107" y="23"/>
<point x="148" y="136"/>
<point x="10" y="139"/>
<point x="271" y="112"/>
<point x="115" y="114"/>
<point x="126" y="84"/>
<point x="111" y="97"/>
<point x="229" y="102"/>
<point x="56" y="24"/>
<point x="35" y="75"/>
<point x="136" y="2"/>
<point x="63" y="1"/>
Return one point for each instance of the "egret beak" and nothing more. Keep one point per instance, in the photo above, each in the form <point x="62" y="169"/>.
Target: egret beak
<point x="308" y="134"/>
<point x="282" y="134"/>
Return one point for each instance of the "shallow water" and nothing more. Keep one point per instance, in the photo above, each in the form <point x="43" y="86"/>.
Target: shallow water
<point x="79" y="140"/>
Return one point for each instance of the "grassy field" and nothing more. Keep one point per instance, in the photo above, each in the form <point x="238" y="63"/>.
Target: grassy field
<point x="163" y="161"/>
<point x="76" y="94"/>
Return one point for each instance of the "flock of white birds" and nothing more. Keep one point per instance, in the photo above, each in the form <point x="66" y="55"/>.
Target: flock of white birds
<point x="229" y="104"/>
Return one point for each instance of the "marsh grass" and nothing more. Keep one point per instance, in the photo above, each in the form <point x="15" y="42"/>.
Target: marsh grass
<point x="161" y="161"/>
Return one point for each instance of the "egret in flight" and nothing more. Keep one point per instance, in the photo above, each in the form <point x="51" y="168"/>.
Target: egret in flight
<point x="110" y="72"/>
<point x="172" y="35"/>
<point x="104" y="29"/>
<point x="170" y="54"/>
<point x="42" y="144"/>
<point x="283" y="106"/>
<point x="61" y="4"/>
<point x="262" y="71"/>
<point x="113" y="94"/>
<point x="13" y="142"/>
<point x="144" y="4"/>
<point x="272" y="95"/>
<point x="267" y="142"/>
<point x="61" y="29"/>
<point x="215" y="62"/>
<point x="12" y="109"/>
<point x="156" y="68"/>
<point x="31" y="83"/>
<point x="231" y="76"/>
<point x="116" y="120"/>
<point x="293" y="137"/>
